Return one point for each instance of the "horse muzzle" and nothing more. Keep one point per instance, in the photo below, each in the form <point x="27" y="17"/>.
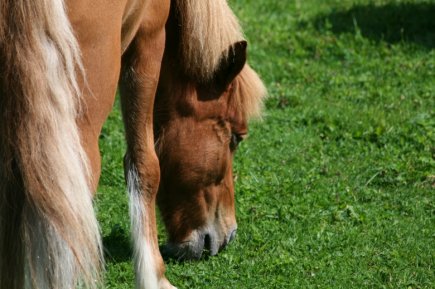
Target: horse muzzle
<point x="207" y="241"/>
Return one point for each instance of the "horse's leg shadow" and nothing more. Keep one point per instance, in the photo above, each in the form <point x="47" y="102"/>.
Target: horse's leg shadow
<point x="117" y="246"/>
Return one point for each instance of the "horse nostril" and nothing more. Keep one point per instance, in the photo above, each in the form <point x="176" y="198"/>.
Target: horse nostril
<point x="233" y="235"/>
<point x="207" y="242"/>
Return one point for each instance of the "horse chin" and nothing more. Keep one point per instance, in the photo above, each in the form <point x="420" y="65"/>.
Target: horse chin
<point x="207" y="241"/>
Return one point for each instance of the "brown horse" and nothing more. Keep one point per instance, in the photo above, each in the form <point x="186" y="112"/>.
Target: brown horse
<point x="61" y="63"/>
<point x="198" y="133"/>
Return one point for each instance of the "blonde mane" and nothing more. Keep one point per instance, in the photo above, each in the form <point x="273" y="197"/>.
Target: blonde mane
<point x="207" y="29"/>
<point x="250" y="93"/>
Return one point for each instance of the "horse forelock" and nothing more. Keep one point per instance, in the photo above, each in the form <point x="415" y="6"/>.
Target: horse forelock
<point x="207" y="29"/>
<point x="249" y="93"/>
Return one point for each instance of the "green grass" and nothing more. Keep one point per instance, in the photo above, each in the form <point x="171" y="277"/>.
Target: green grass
<point x="336" y="186"/>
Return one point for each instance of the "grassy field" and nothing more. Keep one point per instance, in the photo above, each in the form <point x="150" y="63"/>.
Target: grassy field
<point x="336" y="186"/>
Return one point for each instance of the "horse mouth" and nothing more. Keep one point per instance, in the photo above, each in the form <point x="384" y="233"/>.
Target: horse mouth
<point x="200" y="244"/>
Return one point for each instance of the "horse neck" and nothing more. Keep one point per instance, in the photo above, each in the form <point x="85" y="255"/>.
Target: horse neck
<point x="172" y="88"/>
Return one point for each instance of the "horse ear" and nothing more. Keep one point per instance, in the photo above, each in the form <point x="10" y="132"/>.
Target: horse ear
<point x="231" y="65"/>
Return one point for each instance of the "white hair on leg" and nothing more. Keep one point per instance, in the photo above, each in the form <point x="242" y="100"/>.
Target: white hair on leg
<point x="145" y="267"/>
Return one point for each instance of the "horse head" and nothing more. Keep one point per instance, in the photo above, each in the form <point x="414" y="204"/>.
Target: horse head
<point x="199" y="124"/>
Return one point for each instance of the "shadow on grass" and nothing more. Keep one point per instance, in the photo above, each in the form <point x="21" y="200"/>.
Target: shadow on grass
<point x="393" y="23"/>
<point x="117" y="246"/>
<point x="169" y="257"/>
<point x="117" y="249"/>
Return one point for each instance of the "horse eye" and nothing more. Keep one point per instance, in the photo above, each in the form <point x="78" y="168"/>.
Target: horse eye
<point x="235" y="140"/>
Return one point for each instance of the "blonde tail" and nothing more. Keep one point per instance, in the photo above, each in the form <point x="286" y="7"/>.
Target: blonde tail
<point x="49" y="236"/>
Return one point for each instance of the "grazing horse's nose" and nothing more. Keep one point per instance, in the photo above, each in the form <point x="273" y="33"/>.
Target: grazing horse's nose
<point x="213" y="245"/>
<point x="199" y="242"/>
<point x="232" y="235"/>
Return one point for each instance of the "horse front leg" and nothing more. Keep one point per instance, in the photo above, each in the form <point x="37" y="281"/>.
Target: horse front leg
<point x="140" y="73"/>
